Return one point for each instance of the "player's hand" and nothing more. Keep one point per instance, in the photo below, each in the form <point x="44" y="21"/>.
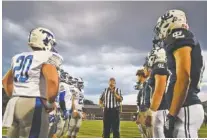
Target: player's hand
<point x="101" y="105"/>
<point x="137" y="121"/>
<point x="48" y="106"/>
<point x="148" y="121"/>
<point x="84" y="116"/>
<point x="169" y="126"/>
<point x="75" y="114"/>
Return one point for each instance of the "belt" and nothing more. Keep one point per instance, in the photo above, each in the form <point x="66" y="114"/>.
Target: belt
<point x="29" y="97"/>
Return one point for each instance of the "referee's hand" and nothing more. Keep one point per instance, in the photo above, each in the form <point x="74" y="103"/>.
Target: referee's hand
<point x="101" y="105"/>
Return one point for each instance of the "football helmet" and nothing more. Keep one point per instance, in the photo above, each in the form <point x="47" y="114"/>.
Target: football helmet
<point x="80" y="83"/>
<point x="42" y="38"/>
<point x="69" y="79"/>
<point x="172" y="19"/>
<point x="64" y="76"/>
<point x="157" y="42"/>
<point x="75" y="82"/>
<point x="157" y="55"/>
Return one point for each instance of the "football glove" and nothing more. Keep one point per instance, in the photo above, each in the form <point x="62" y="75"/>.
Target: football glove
<point x="169" y="126"/>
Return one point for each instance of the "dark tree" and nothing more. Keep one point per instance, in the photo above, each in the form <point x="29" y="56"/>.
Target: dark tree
<point x="88" y="102"/>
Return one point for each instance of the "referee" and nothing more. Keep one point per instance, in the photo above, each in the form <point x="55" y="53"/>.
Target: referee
<point x="110" y="99"/>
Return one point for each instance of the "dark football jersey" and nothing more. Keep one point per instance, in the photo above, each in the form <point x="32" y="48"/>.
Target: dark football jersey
<point x="159" y="69"/>
<point x="148" y="93"/>
<point x="178" y="39"/>
<point x="141" y="99"/>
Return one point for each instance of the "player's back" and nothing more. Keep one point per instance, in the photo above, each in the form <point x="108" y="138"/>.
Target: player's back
<point x="27" y="72"/>
<point x="79" y="98"/>
<point x="179" y="38"/>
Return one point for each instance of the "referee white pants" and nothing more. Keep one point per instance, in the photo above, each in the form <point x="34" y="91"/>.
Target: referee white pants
<point x="158" y="122"/>
<point x="189" y="121"/>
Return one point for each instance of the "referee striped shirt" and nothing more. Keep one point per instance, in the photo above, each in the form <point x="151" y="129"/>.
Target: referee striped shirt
<point x="108" y="98"/>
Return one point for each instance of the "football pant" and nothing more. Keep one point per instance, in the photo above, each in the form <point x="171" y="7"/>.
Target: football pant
<point x="158" y="120"/>
<point x="30" y="119"/>
<point x="189" y="121"/>
<point x="74" y="126"/>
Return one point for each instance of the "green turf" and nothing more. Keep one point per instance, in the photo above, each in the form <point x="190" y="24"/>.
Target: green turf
<point x="93" y="129"/>
<point x="128" y="129"/>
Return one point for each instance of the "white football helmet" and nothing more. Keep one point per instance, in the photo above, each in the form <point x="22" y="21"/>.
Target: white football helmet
<point x="70" y="79"/>
<point x="42" y="38"/>
<point x="75" y="82"/>
<point x="80" y="83"/>
<point x="171" y="20"/>
<point x="157" y="55"/>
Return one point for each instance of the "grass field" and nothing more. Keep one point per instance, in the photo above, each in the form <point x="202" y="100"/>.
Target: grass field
<point x="128" y="129"/>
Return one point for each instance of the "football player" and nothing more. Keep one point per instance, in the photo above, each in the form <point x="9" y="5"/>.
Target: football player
<point x="65" y="101"/>
<point x="53" y="121"/>
<point x="77" y="107"/>
<point x="55" y="117"/>
<point x="141" y="107"/>
<point x="186" y="64"/>
<point x="32" y="83"/>
<point x="158" y="80"/>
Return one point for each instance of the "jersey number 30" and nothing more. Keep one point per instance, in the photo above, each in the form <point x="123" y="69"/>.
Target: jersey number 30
<point x="22" y="67"/>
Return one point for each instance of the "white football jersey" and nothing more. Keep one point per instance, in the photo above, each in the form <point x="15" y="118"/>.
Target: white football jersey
<point x="65" y="90"/>
<point x="26" y="68"/>
<point x="78" y="99"/>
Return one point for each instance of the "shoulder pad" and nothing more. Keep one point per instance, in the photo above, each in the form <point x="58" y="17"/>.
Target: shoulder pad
<point x="179" y="38"/>
<point x="61" y="87"/>
<point x="160" y="56"/>
<point x="55" y="59"/>
<point x="160" y="69"/>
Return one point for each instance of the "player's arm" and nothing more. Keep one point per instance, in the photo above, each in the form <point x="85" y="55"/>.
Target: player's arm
<point x="160" y="84"/>
<point x="73" y="102"/>
<point x="62" y="100"/>
<point x="183" y="67"/>
<point x="52" y="82"/>
<point x="7" y="82"/>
